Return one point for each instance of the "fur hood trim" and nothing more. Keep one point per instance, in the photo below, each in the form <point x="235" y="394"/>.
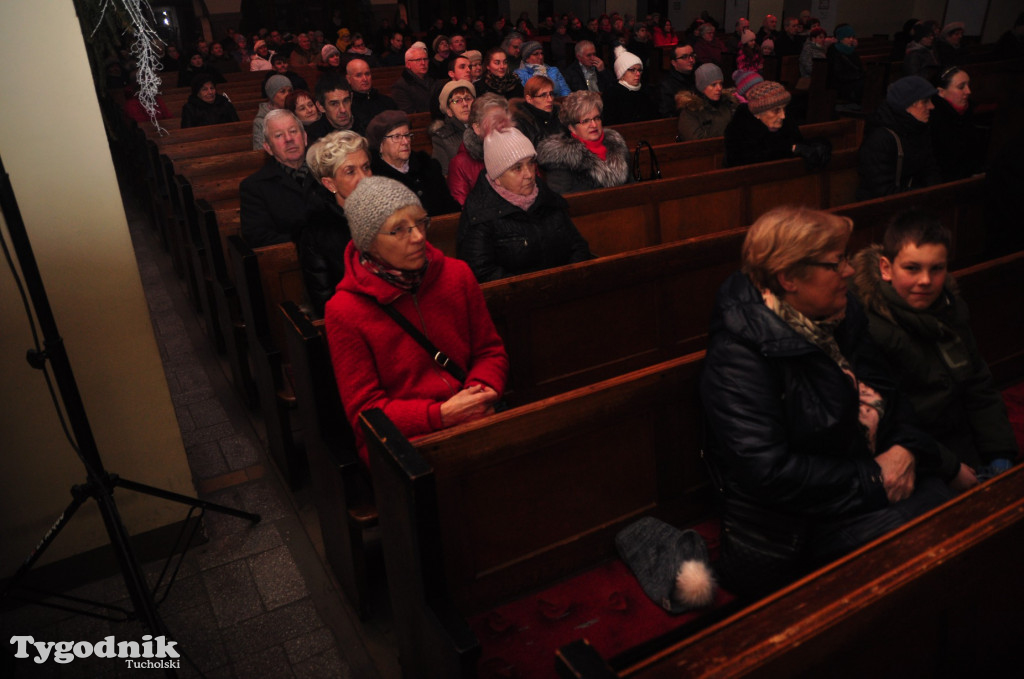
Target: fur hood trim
<point x="567" y="152"/>
<point x="687" y="100"/>
<point x="867" y="282"/>
<point x="473" y="143"/>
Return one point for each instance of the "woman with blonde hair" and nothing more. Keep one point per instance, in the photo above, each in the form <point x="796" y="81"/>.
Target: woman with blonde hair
<point x="339" y="161"/>
<point x="808" y="440"/>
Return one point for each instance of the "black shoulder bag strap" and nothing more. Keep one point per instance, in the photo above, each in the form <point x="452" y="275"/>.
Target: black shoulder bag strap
<point x="453" y="368"/>
<point x="638" y="175"/>
<point x="899" y="159"/>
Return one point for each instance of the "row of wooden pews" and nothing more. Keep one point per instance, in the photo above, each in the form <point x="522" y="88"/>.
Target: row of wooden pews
<point x="567" y="328"/>
<point x="481" y="524"/>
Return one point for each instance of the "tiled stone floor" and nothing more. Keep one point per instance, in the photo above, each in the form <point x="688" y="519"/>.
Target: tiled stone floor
<point x="254" y="600"/>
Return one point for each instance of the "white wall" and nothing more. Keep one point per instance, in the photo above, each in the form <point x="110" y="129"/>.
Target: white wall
<point x="54" y="148"/>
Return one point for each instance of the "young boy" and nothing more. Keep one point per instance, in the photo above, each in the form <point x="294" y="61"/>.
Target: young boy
<point x="920" y="322"/>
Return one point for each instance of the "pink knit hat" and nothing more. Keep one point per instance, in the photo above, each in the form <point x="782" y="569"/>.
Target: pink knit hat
<point x="504" y="148"/>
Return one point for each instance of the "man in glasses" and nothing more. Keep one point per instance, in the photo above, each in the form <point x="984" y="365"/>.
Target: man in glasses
<point x="588" y="71"/>
<point x="389" y="137"/>
<point x="412" y="91"/>
<point x="679" y="78"/>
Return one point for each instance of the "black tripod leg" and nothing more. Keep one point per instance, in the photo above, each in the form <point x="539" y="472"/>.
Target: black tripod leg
<point x="79" y="495"/>
<point x="183" y="499"/>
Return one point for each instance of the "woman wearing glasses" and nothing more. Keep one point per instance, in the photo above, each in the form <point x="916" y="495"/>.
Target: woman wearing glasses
<point x="390" y="141"/>
<point x="512" y="223"/>
<point x="378" y="363"/>
<point x="589" y="156"/>
<point x="456" y="102"/>
<point x="536" y="115"/>
<point x="628" y="101"/>
<point x="808" y="441"/>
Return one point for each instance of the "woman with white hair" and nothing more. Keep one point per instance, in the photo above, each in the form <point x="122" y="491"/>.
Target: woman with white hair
<point x="628" y="101"/>
<point x="512" y="223"/>
<point x="339" y="161"/>
<point x="397" y="286"/>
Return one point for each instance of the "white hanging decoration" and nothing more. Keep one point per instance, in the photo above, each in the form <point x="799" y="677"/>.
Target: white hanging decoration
<point x="143" y="49"/>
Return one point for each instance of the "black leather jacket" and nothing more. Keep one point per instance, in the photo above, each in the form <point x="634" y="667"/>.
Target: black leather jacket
<point x="784" y="443"/>
<point x="322" y="255"/>
<point x="498" y="239"/>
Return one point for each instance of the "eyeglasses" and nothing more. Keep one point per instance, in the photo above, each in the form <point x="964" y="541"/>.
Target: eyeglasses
<point x="635" y="69"/>
<point x="544" y="95"/>
<point x="587" y="121"/>
<point x="462" y="100"/>
<point x="691" y="55"/>
<point x="403" y="232"/>
<point x="835" y="267"/>
<point x="419" y="59"/>
<point x="399" y="137"/>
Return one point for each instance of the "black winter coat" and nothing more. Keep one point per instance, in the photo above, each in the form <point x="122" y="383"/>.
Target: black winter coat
<point x="534" y="123"/>
<point x="785" y="445"/>
<point x="424" y="178"/>
<point x="672" y="83"/>
<point x="622" y="105"/>
<point x="322" y="255"/>
<point x="577" y="81"/>
<point x="879" y="156"/>
<point x="748" y="140"/>
<point x="275" y="208"/>
<point x="498" y="239"/>
<point x="960" y="146"/>
<point x="196" y="112"/>
<point x="845" y="75"/>
<point x="365" y="105"/>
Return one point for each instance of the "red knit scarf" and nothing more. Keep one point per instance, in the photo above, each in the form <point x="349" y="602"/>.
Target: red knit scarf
<point x="596" y="147"/>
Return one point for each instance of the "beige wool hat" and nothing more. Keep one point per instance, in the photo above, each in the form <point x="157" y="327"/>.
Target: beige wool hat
<point x="450" y="87"/>
<point x="505" y="148"/>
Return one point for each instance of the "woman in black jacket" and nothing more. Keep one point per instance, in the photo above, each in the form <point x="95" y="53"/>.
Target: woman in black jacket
<point x="959" y="144"/>
<point x="339" y="161"/>
<point x="536" y="115"/>
<point x="205" y="106"/>
<point x="628" y="101"/>
<point x="512" y="223"/>
<point x="808" y="440"/>
<point x="896" y="153"/>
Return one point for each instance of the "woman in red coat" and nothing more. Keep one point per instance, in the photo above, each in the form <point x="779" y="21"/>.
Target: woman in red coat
<point x="377" y="362"/>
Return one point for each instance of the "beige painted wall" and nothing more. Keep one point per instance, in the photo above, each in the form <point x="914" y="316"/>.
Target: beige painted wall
<point x="54" y="148"/>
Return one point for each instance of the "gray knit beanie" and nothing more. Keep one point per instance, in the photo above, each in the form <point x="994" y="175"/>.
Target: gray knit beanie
<point x="371" y="203"/>
<point x="528" y="49"/>
<point x="707" y="74"/>
<point x="904" y="92"/>
<point x="275" y="84"/>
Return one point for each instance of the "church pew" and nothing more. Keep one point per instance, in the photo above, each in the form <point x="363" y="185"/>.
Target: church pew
<point x="266" y="277"/>
<point x="479" y="513"/>
<point x="929" y="599"/>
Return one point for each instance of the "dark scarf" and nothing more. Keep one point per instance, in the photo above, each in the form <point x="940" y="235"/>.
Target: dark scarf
<point x="501" y="85"/>
<point x="400" y="278"/>
<point x="299" y="174"/>
<point x="928" y="324"/>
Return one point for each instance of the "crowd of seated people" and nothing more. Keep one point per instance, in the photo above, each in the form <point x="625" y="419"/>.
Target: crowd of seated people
<point x="810" y="439"/>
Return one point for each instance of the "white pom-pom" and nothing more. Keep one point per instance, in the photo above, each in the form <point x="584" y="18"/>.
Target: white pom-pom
<point x="619" y="49"/>
<point x="695" y="585"/>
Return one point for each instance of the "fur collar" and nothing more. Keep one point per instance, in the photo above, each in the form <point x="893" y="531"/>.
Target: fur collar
<point x="867" y="281"/>
<point x="692" y="101"/>
<point x="473" y="143"/>
<point x="566" y="151"/>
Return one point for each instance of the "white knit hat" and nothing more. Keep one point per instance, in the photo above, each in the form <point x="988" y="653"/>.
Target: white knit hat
<point x="371" y="203"/>
<point x="625" y="60"/>
<point x="503" y="149"/>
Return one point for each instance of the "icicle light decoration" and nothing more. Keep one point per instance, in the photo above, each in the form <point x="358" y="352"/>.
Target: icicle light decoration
<point x="143" y="49"/>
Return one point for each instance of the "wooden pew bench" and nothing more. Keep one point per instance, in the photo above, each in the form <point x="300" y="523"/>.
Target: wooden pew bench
<point x="486" y="512"/>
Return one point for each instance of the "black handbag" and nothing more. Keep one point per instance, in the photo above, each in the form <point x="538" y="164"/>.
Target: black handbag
<point x="638" y="175"/>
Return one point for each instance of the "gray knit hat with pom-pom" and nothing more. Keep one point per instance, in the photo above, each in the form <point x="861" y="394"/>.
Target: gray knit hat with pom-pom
<point x="371" y="203"/>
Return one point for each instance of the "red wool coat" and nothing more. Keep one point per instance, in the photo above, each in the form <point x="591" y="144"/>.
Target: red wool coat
<point x="377" y="364"/>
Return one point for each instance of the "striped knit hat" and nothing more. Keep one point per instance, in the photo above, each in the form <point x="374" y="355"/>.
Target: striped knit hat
<point x="765" y="96"/>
